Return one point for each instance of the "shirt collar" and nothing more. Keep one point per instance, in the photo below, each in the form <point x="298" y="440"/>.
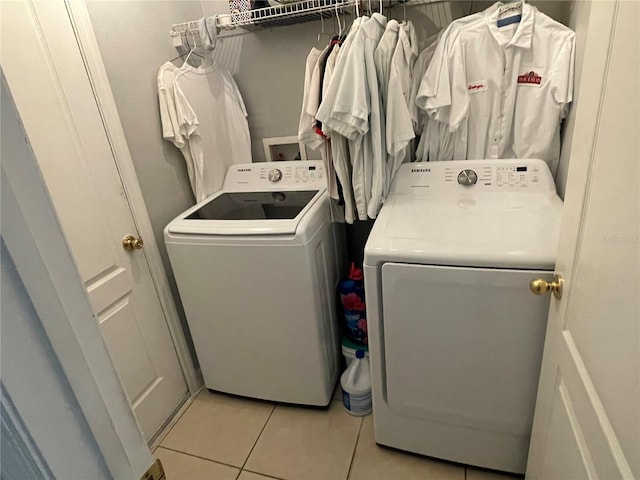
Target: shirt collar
<point x="407" y="40"/>
<point x="523" y="35"/>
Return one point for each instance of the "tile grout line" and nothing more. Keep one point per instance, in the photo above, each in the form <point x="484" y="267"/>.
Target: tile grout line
<point x="177" y="420"/>
<point x="198" y="456"/>
<point x="355" y="446"/>
<point x="261" y="474"/>
<point x="257" y="439"/>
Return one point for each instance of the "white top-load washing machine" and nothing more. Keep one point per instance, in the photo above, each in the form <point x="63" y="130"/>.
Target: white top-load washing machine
<point x="455" y="335"/>
<point x="257" y="265"/>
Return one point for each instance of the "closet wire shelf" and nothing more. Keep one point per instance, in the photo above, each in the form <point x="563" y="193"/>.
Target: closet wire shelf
<point x="286" y="14"/>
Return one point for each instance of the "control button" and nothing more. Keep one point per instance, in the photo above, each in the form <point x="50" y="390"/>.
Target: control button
<point x="275" y="175"/>
<point x="467" y="178"/>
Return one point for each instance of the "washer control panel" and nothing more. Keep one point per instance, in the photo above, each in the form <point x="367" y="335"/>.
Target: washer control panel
<point x="261" y="176"/>
<point x="505" y="176"/>
<point x="475" y="175"/>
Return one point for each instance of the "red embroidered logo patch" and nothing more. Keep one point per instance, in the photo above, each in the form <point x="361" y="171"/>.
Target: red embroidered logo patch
<point x="530" y="78"/>
<point x="477" y="86"/>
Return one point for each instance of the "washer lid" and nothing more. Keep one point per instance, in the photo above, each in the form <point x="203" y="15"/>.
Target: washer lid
<point x="247" y="213"/>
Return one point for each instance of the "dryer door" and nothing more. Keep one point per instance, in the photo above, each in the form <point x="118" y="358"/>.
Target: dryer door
<point x="463" y="346"/>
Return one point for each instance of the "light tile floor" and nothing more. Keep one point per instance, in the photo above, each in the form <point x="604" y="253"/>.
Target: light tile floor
<point x="221" y="437"/>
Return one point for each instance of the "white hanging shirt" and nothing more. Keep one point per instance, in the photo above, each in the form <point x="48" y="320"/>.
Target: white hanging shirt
<point x="329" y="68"/>
<point x="223" y="129"/>
<point x="399" y="125"/>
<point x="345" y="110"/>
<point x="439" y="68"/>
<point x="440" y="141"/>
<point x="512" y="85"/>
<point x="382" y="58"/>
<point x="418" y="116"/>
<point x="339" y="147"/>
<point x="331" y="171"/>
<point x="373" y="149"/>
<point x="173" y="130"/>
<point x="341" y="107"/>
<point x="306" y="131"/>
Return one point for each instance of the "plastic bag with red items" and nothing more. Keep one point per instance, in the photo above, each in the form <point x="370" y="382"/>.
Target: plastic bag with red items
<point x="353" y="305"/>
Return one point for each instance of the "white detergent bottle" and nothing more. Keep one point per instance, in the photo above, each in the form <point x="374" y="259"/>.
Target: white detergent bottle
<point x="356" y="386"/>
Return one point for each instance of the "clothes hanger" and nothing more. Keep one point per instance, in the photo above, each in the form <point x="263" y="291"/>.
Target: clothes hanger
<point x="507" y="7"/>
<point x="338" y="20"/>
<point x="322" y="32"/>
<point x="190" y="52"/>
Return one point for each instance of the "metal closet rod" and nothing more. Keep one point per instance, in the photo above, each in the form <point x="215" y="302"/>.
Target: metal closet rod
<point x="288" y="14"/>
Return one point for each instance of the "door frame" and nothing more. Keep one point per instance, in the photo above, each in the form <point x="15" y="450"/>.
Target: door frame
<point x="88" y="45"/>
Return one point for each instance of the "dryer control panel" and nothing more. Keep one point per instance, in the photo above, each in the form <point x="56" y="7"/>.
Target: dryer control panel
<point x="266" y="176"/>
<point x="529" y="175"/>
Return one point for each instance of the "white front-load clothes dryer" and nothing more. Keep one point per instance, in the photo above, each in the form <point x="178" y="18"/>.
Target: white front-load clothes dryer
<point x="455" y="335"/>
<point x="257" y="266"/>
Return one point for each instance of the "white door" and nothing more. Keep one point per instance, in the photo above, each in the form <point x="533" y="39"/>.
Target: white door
<point x="587" y="419"/>
<point x="49" y="84"/>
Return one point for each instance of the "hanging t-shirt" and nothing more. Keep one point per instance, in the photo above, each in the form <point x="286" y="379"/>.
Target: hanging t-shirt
<point x="223" y="129"/>
<point x="173" y="130"/>
<point x="306" y="131"/>
<point x="339" y="146"/>
<point x="399" y="125"/>
<point x="382" y="58"/>
<point x="374" y="150"/>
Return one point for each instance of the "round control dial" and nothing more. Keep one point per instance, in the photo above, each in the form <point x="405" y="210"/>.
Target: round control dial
<point x="467" y="178"/>
<point x="275" y="175"/>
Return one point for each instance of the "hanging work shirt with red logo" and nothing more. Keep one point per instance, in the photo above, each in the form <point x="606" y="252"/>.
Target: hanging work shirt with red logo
<point x="506" y="87"/>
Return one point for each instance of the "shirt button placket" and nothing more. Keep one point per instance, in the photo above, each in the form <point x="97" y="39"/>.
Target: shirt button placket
<point x="495" y="145"/>
<point x="506" y="77"/>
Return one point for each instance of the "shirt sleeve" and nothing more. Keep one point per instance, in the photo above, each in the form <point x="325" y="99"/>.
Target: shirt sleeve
<point x="430" y="83"/>
<point x="186" y="118"/>
<point x="399" y="126"/>
<point x="168" y="116"/>
<point x="346" y="111"/>
<point x="563" y="75"/>
<point x="459" y="96"/>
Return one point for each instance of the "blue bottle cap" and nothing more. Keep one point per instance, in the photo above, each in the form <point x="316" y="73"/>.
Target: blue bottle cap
<point x="359" y="353"/>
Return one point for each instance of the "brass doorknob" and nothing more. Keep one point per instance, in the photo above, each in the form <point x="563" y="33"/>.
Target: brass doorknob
<point x="540" y="286"/>
<point x="132" y="243"/>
